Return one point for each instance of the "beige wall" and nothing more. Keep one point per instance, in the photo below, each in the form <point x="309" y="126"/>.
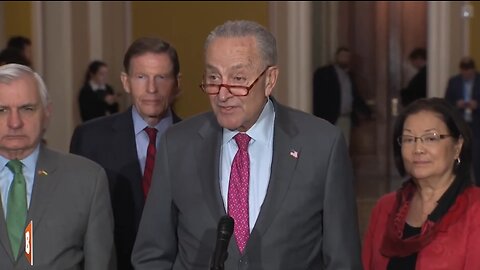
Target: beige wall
<point x="81" y="56"/>
<point x="17" y="18"/>
<point x="456" y="37"/>
<point x="114" y="42"/>
<point x="186" y="25"/>
<point x="475" y="33"/>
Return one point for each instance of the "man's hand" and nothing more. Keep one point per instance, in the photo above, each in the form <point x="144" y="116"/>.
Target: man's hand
<point x="110" y="99"/>
<point x="461" y="104"/>
<point x="472" y="104"/>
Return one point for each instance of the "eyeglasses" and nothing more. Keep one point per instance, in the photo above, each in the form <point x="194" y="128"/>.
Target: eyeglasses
<point x="236" y="90"/>
<point x="427" y="139"/>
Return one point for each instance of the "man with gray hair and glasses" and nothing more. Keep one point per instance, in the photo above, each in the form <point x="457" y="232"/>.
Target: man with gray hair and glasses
<point x="56" y="207"/>
<point x="282" y="175"/>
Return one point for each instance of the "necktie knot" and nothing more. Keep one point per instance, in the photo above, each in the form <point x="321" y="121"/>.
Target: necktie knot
<point x="242" y="140"/>
<point x="152" y="133"/>
<point x="15" y="166"/>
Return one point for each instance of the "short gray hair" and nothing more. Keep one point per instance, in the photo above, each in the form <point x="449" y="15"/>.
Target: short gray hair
<point x="265" y="40"/>
<point x="13" y="72"/>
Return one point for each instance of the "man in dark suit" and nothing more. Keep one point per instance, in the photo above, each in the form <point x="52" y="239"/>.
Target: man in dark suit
<point x="335" y="94"/>
<point x="283" y="175"/>
<point x="463" y="91"/>
<point x="56" y="211"/>
<point x="120" y="142"/>
<point x="417" y="87"/>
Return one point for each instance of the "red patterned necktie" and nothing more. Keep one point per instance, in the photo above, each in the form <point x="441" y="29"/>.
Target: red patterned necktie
<point x="150" y="161"/>
<point x="238" y="191"/>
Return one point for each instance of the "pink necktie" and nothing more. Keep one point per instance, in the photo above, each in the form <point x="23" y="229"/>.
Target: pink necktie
<point x="238" y="191"/>
<point x="150" y="161"/>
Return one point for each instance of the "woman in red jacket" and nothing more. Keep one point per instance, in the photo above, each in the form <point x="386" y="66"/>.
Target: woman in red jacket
<point x="433" y="220"/>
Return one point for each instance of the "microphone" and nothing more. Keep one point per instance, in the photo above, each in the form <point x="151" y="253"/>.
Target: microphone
<point x="224" y="233"/>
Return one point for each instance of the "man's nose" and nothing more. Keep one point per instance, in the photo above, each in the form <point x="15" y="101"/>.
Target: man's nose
<point x="14" y="119"/>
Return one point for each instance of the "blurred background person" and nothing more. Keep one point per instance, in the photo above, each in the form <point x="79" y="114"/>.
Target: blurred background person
<point x="463" y="91"/>
<point x="23" y="45"/>
<point x="431" y="221"/>
<point x="12" y="56"/>
<point x="335" y="94"/>
<point x="417" y="87"/>
<point x="97" y="98"/>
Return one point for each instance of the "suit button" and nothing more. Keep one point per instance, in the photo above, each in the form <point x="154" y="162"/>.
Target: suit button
<point x="242" y="264"/>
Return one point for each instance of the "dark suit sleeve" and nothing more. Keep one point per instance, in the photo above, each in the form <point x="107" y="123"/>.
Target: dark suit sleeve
<point x="114" y="107"/>
<point x="156" y="244"/>
<point x="416" y="89"/>
<point x="98" y="246"/>
<point x="450" y="92"/>
<point x="341" y="245"/>
<point x="75" y="146"/>
<point x="88" y="102"/>
<point x="359" y="106"/>
<point x="326" y="95"/>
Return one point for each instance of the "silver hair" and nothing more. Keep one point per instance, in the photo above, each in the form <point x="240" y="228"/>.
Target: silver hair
<point x="13" y="72"/>
<point x="265" y="40"/>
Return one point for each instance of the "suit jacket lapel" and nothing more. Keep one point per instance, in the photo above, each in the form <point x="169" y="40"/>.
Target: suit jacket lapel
<point x="286" y="151"/>
<point x="44" y="185"/>
<point x="4" y="235"/>
<point x="207" y="153"/>
<point x="125" y="148"/>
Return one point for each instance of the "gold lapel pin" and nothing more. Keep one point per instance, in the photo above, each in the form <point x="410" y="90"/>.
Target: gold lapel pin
<point x="42" y="172"/>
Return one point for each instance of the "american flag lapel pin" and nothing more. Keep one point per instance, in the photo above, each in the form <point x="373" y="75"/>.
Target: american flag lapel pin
<point x="42" y="172"/>
<point x="294" y="154"/>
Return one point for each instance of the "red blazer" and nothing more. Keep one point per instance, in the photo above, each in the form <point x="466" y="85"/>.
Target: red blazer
<point x="457" y="247"/>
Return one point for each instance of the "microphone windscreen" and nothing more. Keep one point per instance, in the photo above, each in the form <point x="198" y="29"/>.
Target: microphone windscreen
<point x="225" y="226"/>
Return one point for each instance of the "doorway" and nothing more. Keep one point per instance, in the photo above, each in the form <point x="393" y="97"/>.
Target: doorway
<point x="380" y="35"/>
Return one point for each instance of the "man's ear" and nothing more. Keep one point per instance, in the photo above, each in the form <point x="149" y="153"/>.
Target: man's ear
<point x="47" y="115"/>
<point x="177" y="91"/>
<point x="125" y="82"/>
<point x="179" y="78"/>
<point x="271" y="79"/>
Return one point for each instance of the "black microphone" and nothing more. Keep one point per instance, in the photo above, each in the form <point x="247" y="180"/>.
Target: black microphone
<point x="224" y="233"/>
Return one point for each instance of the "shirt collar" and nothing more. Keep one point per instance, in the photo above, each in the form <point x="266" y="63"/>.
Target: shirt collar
<point x="29" y="163"/>
<point x="339" y="69"/>
<point x="95" y="86"/>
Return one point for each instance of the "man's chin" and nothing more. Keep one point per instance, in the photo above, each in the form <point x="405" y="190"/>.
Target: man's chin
<point x="14" y="148"/>
<point x="227" y="123"/>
